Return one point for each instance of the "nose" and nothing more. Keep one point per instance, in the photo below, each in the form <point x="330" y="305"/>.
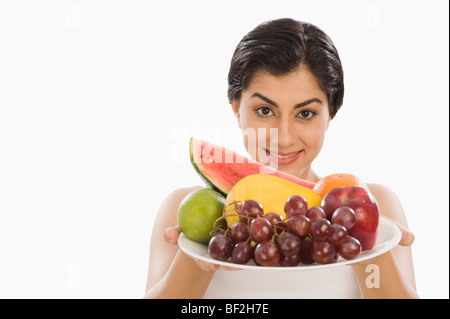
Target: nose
<point x="286" y="134"/>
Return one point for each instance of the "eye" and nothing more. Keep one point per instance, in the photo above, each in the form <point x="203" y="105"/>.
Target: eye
<point x="264" y="111"/>
<point x="306" y="114"/>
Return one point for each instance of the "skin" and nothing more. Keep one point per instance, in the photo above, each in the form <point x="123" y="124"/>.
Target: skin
<point x="270" y="102"/>
<point x="295" y="105"/>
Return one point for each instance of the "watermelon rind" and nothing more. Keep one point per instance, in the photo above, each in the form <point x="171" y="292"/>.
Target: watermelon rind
<point x="205" y="179"/>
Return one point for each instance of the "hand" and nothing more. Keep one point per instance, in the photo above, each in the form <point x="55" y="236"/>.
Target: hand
<point x="171" y="236"/>
<point x="407" y="236"/>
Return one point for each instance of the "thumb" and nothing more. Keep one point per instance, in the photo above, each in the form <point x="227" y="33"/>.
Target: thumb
<point x="408" y="237"/>
<point x="171" y="234"/>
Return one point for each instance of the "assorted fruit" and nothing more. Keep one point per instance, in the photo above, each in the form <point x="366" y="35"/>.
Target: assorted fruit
<point x="362" y="202"/>
<point x="221" y="168"/>
<point x="303" y="236"/>
<point x="273" y="218"/>
<point x="336" y="180"/>
<point x="270" y="191"/>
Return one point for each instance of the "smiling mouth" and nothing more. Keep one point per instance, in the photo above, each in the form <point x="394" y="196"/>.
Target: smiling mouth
<point x="281" y="155"/>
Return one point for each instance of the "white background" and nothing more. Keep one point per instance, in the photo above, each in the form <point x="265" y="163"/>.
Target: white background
<point x="98" y="100"/>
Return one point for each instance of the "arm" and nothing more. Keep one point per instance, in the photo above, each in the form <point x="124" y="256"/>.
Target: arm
<point x="396" y="271"/>
<point x="171" y="273"/>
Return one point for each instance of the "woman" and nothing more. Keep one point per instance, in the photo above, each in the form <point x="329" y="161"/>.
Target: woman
<point x="287" y="75"/>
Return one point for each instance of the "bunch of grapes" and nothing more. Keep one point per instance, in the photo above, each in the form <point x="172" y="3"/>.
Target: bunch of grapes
<point x="304" y="236"/>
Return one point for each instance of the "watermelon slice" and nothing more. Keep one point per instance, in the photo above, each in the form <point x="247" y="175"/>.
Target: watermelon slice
<point x="221" y="168"/>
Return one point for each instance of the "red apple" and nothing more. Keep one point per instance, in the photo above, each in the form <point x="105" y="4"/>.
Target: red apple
<point x="365" y="207"/>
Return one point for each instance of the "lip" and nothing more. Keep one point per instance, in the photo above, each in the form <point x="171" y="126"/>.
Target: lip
<point x="286" y="159"/>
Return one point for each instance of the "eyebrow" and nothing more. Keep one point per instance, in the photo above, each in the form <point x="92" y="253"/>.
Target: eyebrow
<point x="299" y="105"/>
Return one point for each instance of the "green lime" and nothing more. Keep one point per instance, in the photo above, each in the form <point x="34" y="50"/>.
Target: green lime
<point x="197" y="213"/>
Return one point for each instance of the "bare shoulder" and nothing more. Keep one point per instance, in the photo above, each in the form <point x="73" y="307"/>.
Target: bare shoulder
<point x="382" y="191"/>
<point x="388" y="202"/>
<point x="179" y="194"/>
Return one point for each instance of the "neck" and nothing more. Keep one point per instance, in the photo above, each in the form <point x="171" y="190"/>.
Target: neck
<point x="309" y="175"/>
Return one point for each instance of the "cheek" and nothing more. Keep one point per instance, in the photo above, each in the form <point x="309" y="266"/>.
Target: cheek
<point x="244" y="121"/>
<point x="314" y="138"/>
<point x="256" y="136"/>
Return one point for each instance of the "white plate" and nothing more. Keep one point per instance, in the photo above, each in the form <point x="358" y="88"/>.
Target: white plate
<point x="388" y="237"/>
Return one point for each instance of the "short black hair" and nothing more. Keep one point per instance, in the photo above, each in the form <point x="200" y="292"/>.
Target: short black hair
<point x="282" y="46"/>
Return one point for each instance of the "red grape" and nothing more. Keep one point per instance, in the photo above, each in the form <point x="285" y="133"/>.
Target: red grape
<point x="261" y="229"/>
<point x="290" y="261"/>
<point x="335" y="256"/>
<point x="273" y="217"/>
<point x="219" y="247"/>
<point x="239" y="232"/>
<point x="279" y="227"/>
<point x="320" y="229"/>
<point x="295" y="205"/>
<point x="344" y="216"/>
<point x="306" y="252"/>
<point x="350" y="248"/>
<point x="266" y="254"/>
<point x="241" y="253"/>
<point x="288" y="244"/>
<point x="277" y="221"/>
<point x="338" y="234"/>
<point x="250" y="209"/>
<point x="305" y="236"/>
<point x="314" y="213"/>
<point x="298" y="225"/>
<point x="322" y="252"/>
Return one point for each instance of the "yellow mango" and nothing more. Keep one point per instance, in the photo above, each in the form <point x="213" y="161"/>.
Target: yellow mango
<point x="270" y="191"/>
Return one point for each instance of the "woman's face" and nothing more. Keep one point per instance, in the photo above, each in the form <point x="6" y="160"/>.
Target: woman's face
<point x="284" y="120"/>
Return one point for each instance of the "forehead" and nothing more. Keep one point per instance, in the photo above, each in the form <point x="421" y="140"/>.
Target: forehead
<point x="299" y="84"/>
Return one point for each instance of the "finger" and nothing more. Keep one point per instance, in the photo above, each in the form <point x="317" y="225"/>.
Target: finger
<point x="204" y="265"/>
<point x="171" y="234"/>
<point x="229" y="268"/>
<point x="408" y="237"/>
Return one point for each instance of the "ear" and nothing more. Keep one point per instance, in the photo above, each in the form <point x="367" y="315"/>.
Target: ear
<point x="328" y="123"/>
<point x="235" y="107"/>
